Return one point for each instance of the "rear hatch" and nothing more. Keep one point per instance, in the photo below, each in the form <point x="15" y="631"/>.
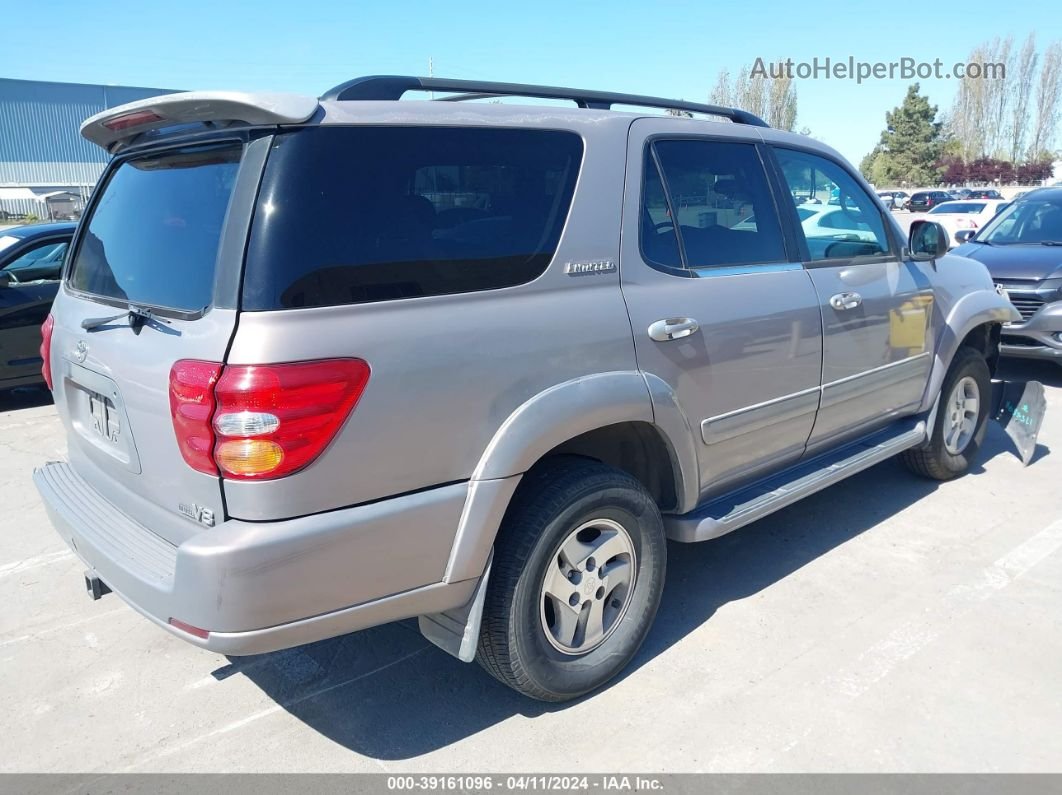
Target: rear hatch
<point x="152" y="279"/>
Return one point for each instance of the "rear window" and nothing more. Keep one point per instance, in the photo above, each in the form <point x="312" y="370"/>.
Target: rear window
<point x="153" y="235"/>
<point x="957" y="207"/>
<point x="349" y="215"/>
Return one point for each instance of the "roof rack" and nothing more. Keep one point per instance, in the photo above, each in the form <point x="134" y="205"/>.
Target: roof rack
<point x="392" y="87"/>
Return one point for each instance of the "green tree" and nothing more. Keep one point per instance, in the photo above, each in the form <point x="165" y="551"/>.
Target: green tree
<point x="911" y="145"/>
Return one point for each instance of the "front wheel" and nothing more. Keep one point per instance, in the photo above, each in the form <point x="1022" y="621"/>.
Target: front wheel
<point x="961" y="421"/>
<point x="576" y="580"/>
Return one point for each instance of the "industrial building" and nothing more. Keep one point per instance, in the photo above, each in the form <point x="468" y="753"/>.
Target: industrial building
<point x="46" y="168"/>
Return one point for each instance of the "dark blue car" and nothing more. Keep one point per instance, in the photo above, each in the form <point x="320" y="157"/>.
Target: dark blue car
<point x="1022" y="249"/>
<point x="31" y="259"/>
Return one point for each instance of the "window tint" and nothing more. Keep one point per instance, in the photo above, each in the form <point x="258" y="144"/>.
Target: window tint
<point x="719" y="196"/>
<point x="48" y="255"/>
<point x="355" y="214"/>
<point x="659" y="235"/>
<point x="153" y="236"/>
<point x="43" y="261"/>
<point x="850" y="224"/>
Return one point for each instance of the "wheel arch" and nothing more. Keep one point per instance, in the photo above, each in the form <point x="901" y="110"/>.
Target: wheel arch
<point x="974" y="320"/>
<point x="619" y="418"/>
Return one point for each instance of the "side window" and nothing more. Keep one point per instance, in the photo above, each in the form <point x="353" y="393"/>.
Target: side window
<point x="717" y="194"/>
<point x="838" y="218"/>
<point x="43" y="261"/>
<point x="350" y="215"/>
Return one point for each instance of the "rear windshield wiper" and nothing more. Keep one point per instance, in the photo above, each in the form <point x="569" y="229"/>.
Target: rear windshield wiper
<point x="136" y="315"/>
<point x="1051" y="242"/>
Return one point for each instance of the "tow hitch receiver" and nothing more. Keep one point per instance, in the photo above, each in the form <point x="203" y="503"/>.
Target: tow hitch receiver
<point x="95" y="587"/>
<point x="1019" y="407"/>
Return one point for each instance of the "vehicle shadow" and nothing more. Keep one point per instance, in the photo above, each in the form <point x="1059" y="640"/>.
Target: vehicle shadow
<point x="387" y="694"/>
<point x="28" y="397"/>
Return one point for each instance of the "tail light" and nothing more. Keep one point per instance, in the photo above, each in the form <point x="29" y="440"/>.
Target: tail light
<point x="46" y="349"/>
<point x="191" y="407"/>
<point x="259" y="422"/>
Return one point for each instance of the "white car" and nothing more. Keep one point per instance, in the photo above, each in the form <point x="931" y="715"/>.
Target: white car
<point x="955" y="216"/>
<point x="832" y="221"/>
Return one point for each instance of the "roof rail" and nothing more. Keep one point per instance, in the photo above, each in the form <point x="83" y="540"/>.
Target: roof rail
<point x="392" y="87"/>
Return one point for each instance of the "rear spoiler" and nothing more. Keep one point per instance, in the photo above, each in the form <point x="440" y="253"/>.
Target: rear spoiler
<point x="115" y="127"/>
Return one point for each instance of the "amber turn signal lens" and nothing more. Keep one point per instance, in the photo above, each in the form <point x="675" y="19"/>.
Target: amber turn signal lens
<point x="249" y="457"/>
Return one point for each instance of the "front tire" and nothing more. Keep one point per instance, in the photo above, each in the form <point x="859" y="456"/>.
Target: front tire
<point x="961" y="421"/>
<point x="576" y="580"/>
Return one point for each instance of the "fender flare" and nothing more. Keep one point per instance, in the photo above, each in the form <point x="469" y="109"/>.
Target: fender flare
<point x="972" y="310"/>
<point x="538" y="425"/>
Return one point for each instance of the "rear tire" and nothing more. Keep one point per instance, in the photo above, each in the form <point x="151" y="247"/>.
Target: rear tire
<point x="558" y="622"/>
<point x="961" y="420"/>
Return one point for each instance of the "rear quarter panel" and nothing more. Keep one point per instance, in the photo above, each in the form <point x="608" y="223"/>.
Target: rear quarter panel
<point x="448" y="371"/>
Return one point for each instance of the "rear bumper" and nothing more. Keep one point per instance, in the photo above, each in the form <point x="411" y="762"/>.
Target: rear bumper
<point x="1039" y="337"/>
<point x="263" y="586"/>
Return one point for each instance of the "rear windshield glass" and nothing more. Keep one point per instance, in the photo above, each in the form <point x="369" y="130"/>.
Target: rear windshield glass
<point x="153" y="236"/>
<point x="354" y="214"/>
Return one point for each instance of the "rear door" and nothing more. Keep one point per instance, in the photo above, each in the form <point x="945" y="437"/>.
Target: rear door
<point x="166" y="232"/>
<point x="876" y="307"/>
<point x="720" y="311"/>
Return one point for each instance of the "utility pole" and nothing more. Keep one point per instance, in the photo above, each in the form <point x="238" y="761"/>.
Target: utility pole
<point x="431" y="72"/>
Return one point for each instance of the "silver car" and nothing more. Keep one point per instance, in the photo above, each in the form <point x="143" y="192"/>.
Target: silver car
<point x="328" y="363"/>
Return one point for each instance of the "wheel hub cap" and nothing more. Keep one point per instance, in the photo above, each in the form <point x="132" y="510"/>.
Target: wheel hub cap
<point x="963" y="409"/>
<point x="587" y="586"/>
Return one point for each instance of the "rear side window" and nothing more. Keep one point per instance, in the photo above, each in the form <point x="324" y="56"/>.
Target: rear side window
<point x="153" y="235"/>
<point x="715" y="196"/>
<point x="350" y="215"/>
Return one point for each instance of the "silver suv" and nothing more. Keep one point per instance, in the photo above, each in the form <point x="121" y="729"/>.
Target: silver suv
<point x="329" y="363"/>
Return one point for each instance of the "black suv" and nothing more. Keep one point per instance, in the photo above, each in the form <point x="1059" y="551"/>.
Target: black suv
<point x="928" y="199"/>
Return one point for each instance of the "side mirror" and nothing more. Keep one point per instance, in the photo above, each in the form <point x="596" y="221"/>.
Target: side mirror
<point x="5" y="279"/>
<point x="927" y="240"/>
<point x="964" y="234"/>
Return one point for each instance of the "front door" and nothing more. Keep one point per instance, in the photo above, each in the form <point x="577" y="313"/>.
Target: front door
<point x="876" y="307"/>
<point x="32" y="273"/>
<point x="721" y="309"/>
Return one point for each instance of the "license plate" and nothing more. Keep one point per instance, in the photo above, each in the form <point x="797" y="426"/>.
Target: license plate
<point x="104" y="417"/>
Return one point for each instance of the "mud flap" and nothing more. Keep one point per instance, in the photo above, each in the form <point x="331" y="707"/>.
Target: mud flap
<point x="1019" y="407"/>
<point x="457" y="631"/>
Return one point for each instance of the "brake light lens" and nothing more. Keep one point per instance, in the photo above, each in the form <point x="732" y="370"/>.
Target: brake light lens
<point x="46" y="350"/>
<point x="191" y="407"/>
<point x="133" y="119"/>
<point x="273" y="420"/>
<point x="259" y="422"/>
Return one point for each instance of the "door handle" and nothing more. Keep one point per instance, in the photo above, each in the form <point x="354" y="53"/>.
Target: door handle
<point x="674" y="328"/>
<point x="843" y="301"/>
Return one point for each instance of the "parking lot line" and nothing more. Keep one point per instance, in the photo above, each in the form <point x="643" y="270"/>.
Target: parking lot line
<point x="62" y="627"/>
<point x="35" y="562"/>
<point x="879" y="660"/>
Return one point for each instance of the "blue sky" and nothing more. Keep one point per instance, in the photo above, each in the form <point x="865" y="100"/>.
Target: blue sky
<point x="663" y="48"/>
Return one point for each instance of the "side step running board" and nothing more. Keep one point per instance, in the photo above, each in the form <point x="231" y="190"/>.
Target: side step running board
<point x="737" y="509"/>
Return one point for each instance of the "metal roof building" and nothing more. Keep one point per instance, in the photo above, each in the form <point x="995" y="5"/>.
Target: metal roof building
<point x="41" y="149"/>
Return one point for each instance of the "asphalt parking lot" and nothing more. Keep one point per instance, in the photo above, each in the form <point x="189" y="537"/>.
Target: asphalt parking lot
<point x="886" y="624"/>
